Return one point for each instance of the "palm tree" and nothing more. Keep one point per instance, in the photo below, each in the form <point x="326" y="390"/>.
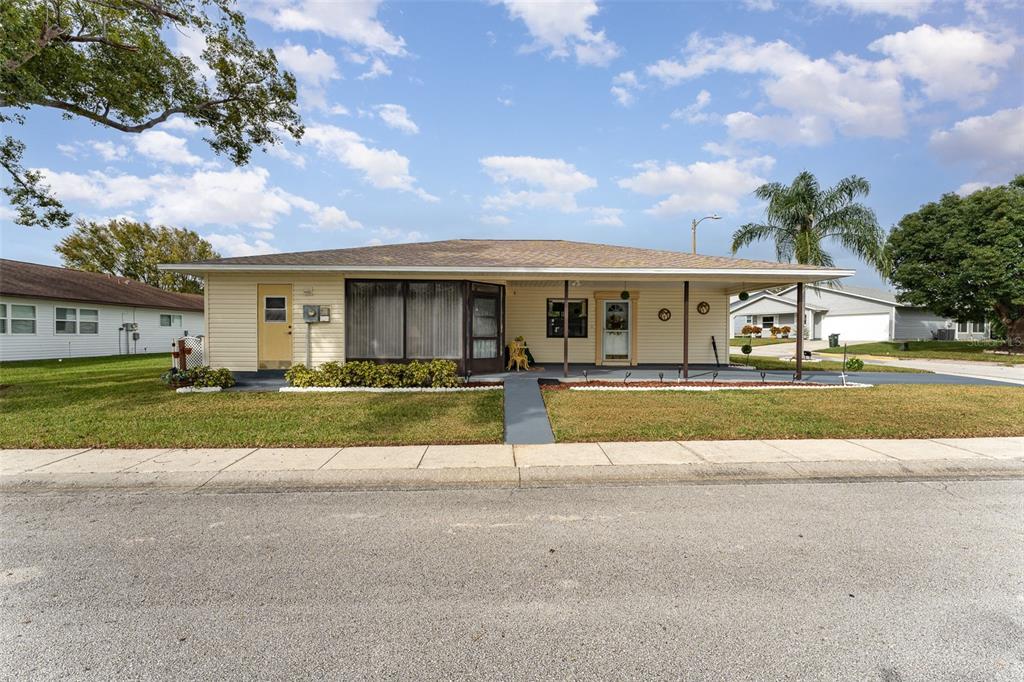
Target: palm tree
<point x="801" y="217"/>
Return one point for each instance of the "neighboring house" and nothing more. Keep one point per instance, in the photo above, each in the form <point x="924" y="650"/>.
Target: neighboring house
<point x="464" y="299"/>
<point x="51" y="312"/>
<point x="855" y="313"/>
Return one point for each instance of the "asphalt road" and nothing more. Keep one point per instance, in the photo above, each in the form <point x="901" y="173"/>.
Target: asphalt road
<point x="891" y="581"/>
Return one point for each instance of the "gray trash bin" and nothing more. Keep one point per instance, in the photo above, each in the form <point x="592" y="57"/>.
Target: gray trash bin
<point x="833" y="340"/>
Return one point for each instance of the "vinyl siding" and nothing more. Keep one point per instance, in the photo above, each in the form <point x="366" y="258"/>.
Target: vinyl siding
<point x="838" y="303"/>
<point x="657" y="341"/>
<point x="915" y="323"/>
<point x="47" y="344"/>
<point x="232" y="313"/>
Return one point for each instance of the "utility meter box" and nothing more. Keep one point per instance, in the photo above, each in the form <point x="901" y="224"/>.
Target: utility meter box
<point x="130" y="326"/>
<point x="316" y="313"/>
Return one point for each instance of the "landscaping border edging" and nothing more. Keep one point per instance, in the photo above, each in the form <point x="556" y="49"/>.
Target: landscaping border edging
<point x="199" y="389"/>
<point x="719" y="388"/>
<point x="375" y="389"/>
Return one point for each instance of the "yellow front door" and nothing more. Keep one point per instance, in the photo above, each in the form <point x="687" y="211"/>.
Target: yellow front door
<point x="275" y="326"/>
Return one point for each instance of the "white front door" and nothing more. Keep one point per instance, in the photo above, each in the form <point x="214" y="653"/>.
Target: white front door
<point x="615" y="331"/>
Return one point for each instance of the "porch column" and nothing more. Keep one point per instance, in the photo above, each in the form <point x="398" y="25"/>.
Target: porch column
<point x="565" y="329"/>
<point x="799" y="330"/>
<point x="686" y="329"/>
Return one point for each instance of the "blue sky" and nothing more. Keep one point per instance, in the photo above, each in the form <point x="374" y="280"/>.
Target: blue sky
<point x="606" y="122"/>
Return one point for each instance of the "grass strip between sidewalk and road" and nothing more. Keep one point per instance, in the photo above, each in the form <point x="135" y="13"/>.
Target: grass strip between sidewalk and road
<point x="889" y="411"/>
<point x="761" y="362"/>
<point x="739" y="341"/>
<point x="973" y="351"/>
<point x="120" y="402"/>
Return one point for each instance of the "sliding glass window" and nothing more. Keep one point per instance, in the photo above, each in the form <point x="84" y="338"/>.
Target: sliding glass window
<point x="374" y="320"/>
<point x="433" y="320"/>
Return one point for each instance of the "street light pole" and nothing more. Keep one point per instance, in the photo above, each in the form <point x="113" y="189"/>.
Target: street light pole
<point x="693" y="228"/>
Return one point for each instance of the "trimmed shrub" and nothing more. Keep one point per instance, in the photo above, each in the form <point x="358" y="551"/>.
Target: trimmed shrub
<point x="854" y="365"/>
<point x="200" y="377"/>
<point x="746" y="349"/>
<point x="415" y="374"/>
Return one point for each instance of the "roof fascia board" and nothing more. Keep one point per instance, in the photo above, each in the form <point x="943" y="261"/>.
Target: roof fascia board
<point x="614" y="272"/>
<point x="853" y="295"/>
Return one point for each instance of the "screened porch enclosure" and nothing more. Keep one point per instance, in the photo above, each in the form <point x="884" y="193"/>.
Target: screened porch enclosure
<point x="403" y="320"/>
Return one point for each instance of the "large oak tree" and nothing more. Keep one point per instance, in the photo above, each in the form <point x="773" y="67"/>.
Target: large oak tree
<point x="963" y="257"/>
<point x="130" y="249"/>
<point x="108" y="61"/>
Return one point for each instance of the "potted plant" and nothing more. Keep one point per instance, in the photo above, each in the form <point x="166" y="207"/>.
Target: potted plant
<point x="786" y="329"/>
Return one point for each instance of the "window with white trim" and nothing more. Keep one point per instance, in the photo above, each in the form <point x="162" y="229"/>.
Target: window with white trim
<point x="3" y="318"/>
<point x="65" y="321"/>
<point x="23" y="319"/>
<point x="170" y="320"/>
<point x="978" y="327"/>
<point x="88" y="321"/>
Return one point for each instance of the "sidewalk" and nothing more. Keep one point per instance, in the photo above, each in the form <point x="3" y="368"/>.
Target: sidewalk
<point x="508" y="466"/>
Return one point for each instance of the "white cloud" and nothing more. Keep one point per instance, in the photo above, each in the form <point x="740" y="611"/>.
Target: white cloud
<point x="333" y="218"/>
<point x="908" y="9"/>
<point x="495" y="220"/>
<point x="952" y="63"/>
<point x="316" y="67"/>
<point x="382" y="168"/>
<point x="971" y="187"/>
<point x="237" y="197"/>
<point x="782" y="130"/>
<point x="179" y="124"/>
<point x="390" y="235"/>
<point x="164" y="147"/>
<point x="109" y="151"/>
<point x="563" y="28"/>
<point x="238" y="245"/>
<point x="602" y="215"/>
<point x="280" y="151"/>
<point x="860" y="98"/>
<point x="624" y="86"/>
<point x="376" y="70"/>
<point x="505" y="101"/>
<point x="694" y="113"/>
<point x="354" y="21"/>
<point x="339" y="110"/>
<point x="760" y="5"/>
<point x="551" y="183"/>
<point x="395" y="116"/>
<point x="700" y="186"/>
<point x="993" y="144"/>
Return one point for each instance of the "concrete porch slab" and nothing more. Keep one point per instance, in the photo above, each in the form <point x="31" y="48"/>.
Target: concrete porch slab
<point x="387" y="457"/>
<point x="284" y="459"/>
<point x="650" y="452"/>
<point x="467" y="456"/>
<point x="560" y="454"/>
<point x="102" y="461"/>
<point x="191" y="459"/>
<point x="999" y="448"/>
<point x="737" y="451"/>
<point x="827" y="450"/>
<point x="20" y="461"/>
<point x="915" y="449"/>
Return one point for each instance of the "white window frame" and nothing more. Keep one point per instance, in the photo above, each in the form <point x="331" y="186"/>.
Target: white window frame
<point x="3" y="319"/>
<point x="33" y="319"/>
<point x="283" y="308"/>
<point x="978" y="327"/>
<point x="76" y="321"/>
<point x="170" y="317"/>
<point x="73" y="321"/>
<point x="83" y="321"/>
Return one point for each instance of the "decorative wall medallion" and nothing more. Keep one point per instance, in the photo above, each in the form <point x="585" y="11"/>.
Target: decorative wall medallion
<point x="664" y="314"/>
<point x="703" y="308"/>
<point x="624" y="295"/>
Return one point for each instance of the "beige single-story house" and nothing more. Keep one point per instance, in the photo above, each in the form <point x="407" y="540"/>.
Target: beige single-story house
<point x="465" y="299"/>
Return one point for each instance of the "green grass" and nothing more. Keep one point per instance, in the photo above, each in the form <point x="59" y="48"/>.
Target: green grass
<point x="890" y="411"/>
<point x="936" y="350"/>
<point x="774" y="363"/>
<point x="738" y="341"/>
<point x="120" y="402"/>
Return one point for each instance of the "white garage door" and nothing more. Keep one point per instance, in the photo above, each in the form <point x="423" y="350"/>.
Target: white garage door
<point x="874" y="327"/>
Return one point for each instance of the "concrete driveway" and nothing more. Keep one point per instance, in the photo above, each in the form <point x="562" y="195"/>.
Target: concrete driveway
<point x="992" y="371"/>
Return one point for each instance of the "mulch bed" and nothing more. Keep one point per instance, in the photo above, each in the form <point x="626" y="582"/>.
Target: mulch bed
<point x="562" y="386"/>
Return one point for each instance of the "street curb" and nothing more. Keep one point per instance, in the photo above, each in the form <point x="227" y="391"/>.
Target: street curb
<point x="513" y="477"/>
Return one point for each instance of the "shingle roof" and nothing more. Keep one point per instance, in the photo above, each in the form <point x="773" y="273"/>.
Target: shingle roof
<point x="503" y="253"/>
<point x="46" y="281"/>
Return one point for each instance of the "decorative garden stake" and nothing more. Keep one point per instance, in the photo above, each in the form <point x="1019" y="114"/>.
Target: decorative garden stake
<point x="714" y="376"/>
<point x="585" y="377"/>
<point x="762" y="376"/>
<point x="661" y="377"/>
<point x="679" y="374"/>
<point x="626" y="378"/>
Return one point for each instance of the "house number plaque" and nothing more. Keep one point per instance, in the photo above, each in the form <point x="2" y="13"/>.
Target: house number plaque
<point x="664" y="314"/>
<point x="703" y="308"/>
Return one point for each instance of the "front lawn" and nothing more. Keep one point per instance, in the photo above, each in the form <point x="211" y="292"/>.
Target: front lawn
<point x="760" y="362"/>
<point x="890" y="411"/>
<point x="936" y="350"/>
<point x="739" y="341"/>
<point x="120" y="402"/>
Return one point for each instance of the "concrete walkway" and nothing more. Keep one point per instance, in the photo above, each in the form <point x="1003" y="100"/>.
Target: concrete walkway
<point x="493" y="465"/>
<point x="526" y="418"/>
